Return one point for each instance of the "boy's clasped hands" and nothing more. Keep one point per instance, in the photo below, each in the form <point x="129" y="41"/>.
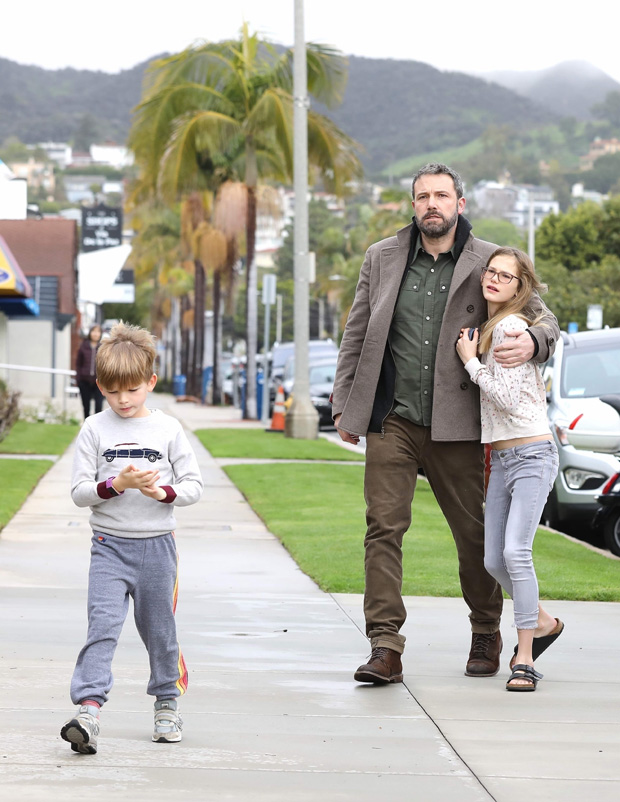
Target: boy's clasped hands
<point x="144" y="481"/>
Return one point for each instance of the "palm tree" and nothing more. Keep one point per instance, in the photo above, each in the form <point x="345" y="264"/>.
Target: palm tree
<point x="232" y="103"/>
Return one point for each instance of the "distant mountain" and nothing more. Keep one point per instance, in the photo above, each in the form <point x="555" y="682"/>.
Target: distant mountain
<point x="395" y="109"/>
<point x="569" y="89"/>
<point x="38" y="105"/>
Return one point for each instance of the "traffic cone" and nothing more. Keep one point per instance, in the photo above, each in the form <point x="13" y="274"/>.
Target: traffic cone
<point x="279" y="411"/>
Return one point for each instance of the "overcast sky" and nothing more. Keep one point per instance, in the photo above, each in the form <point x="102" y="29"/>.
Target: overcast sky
<point x="474" y="36"/>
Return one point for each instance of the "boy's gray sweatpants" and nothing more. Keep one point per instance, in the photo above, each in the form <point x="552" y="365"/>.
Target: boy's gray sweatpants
<point x="146" y="570"/>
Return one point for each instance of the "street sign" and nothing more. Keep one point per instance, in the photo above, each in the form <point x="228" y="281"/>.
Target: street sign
<point x="102" y="227"/>
<point x="595" y="317"/>
<point x="269" y="288"/>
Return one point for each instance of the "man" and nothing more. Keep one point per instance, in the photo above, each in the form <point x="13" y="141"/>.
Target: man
<point x="400" y="383"/>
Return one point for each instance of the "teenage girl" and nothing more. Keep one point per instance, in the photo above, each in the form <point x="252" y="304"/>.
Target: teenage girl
<point x="524" y="458"/>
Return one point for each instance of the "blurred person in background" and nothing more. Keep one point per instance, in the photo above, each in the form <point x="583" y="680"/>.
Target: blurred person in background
<point x="86" y="373"/>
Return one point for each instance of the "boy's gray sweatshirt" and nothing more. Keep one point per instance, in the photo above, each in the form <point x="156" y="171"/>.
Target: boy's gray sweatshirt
<point x="106" y="444"/>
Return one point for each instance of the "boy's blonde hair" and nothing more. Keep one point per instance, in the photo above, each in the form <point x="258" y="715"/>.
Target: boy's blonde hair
<point x="528" y="286"/>
<point x="126" y="358"/>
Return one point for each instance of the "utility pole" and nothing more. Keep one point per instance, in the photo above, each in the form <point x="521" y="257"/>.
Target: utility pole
<point x="302" y="420"/>
<point x="531" y="228"/>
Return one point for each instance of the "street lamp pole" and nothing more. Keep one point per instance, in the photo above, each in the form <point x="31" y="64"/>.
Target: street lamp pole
<point x="302" y="420"/>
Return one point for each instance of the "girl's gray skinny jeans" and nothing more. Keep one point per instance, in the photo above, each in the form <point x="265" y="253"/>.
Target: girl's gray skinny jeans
<point x="520" y="481"/>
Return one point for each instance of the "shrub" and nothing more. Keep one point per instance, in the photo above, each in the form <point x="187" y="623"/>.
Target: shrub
<point x="9" y="409"/>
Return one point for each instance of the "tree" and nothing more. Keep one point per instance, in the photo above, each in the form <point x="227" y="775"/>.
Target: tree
<point x="232" y="103"/>
<point x="87" y="132"/>
<point x="500" y="232"/>
<point x="609" y="109"/>
<point x="572" y="238"/>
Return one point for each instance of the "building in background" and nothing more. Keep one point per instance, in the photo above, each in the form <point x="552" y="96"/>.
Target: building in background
<point x="46" y="250"/>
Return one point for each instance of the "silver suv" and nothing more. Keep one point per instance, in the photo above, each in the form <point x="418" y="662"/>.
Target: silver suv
<point x="585" y="366"/>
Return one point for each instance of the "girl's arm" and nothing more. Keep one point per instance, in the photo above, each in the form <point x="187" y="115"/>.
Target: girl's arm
<point x="503" y="385"/>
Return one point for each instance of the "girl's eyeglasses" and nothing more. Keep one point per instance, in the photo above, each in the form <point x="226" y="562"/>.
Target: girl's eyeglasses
<point x="500" y="275"/>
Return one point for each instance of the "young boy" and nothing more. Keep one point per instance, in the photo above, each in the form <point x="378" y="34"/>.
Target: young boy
<point x="131" y="465"/>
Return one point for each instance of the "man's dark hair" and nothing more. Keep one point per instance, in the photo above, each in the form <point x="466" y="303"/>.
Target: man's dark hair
<point x="439" y="169"/>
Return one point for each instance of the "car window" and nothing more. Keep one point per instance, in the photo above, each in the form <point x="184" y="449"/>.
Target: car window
<point x="322" y="374"/>
<point x="590" y="373"/>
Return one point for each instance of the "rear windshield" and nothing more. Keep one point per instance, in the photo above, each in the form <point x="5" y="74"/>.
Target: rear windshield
<point x="322" y="374"/>
<point x="591" y="372"/>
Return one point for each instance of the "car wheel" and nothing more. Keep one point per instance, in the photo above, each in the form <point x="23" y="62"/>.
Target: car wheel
<point x="151" y="457"/>
<point x="551" y="515"/>
<point x="611" y="531"/>
<point x="109" y="459"/>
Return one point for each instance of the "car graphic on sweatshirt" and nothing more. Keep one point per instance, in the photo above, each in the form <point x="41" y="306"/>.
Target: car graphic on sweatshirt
<point x="132" y="451"/>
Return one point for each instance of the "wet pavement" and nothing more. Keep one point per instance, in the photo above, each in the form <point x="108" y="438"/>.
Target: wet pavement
<point x="272" y="712"/>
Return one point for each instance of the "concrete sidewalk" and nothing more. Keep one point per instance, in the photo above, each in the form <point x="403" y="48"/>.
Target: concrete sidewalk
<point x="272" y="712"/>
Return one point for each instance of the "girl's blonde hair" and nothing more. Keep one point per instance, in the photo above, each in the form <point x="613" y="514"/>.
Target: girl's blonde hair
<point x="528" y="286"/>
<point x="126" y="358"/>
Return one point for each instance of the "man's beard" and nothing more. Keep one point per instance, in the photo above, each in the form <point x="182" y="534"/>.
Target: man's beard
<point x="435" y="229"/>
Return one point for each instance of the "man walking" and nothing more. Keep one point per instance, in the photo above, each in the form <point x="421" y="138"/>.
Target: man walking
<point x="400" y="383"/>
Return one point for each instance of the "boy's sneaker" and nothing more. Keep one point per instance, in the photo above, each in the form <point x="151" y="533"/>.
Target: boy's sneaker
<point x="168" y="722"/>
<point x="82" y="730"/>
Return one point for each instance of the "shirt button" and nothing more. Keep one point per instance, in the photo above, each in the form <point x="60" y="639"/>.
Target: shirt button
<point x="425" y="392"/>
<point x="427" y="317"/>
<point x="425" y="367"/>
<point x="443" y="286"/>
<point x="429" y="293"/>
<point x="432" y="269"/>
<point x="425" y="342"/>
<point x="470" y="308"/>
<point x="463" y="385"/>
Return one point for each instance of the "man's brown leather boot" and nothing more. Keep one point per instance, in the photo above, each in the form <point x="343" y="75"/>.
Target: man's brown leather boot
<point x="483" y="660"/>
<point x="384" y="666"/>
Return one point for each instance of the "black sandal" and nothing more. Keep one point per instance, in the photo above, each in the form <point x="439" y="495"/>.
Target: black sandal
<point x="525" y="672"/>
<point x="540" y="645"/>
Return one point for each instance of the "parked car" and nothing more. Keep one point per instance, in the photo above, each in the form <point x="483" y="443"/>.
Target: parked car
<point x="282" y="352"/>
<point x="131" y="451"/>
<point x="321" y="373"/>
<point x="603" y="435"/>
<point x="585" y="366"/>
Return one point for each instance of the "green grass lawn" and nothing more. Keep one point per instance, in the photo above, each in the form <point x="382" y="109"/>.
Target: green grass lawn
<point x="317" y="511"/>
<point x="18" y="477"/>
<point x="38" y="438"/>
<point x="259" y="444"/>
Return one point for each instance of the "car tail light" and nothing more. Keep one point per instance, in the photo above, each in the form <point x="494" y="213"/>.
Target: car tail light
<point x="612" y="486"/>
<point x="561" y="434"/>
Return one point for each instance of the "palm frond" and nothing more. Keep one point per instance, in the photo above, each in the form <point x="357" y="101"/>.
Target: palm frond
<point x="333" y="153"/>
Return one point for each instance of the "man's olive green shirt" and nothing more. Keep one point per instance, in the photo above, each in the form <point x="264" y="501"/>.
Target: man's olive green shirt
<point x="414" y="332"/>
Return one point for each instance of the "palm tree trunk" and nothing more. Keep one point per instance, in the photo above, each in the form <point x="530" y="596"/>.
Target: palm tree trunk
<point x="199" y="328"/>
<point x="251" y="180"/>
<point x="216" y="395"/>
<point x="185" y="338"/>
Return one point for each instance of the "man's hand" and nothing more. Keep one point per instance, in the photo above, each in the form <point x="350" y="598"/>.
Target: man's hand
<point x="130" y="476"/>
<point x="514" y="352"/>
<point x="348" y="438"/>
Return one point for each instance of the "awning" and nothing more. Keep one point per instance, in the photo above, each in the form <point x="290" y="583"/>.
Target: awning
<point x="12" y="281"/>
<point x="98" y="270"/>
<point x="18" y="307"/>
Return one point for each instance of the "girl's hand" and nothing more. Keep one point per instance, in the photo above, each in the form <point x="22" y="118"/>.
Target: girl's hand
<point x="467" y="349"/>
